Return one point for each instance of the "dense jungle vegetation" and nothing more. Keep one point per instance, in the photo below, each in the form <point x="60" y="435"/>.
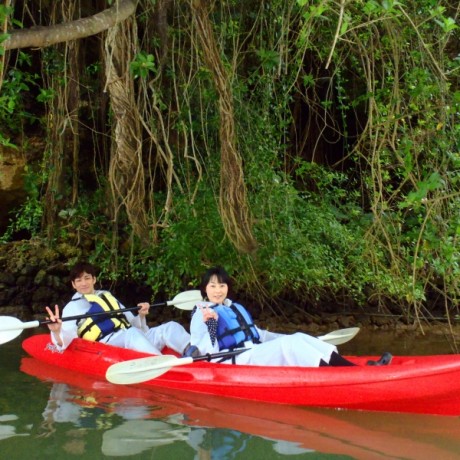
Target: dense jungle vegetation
<point x="312" y="147"/>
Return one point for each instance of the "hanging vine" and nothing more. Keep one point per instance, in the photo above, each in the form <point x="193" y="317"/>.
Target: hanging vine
<point x="339" y="118"/>
<point x="63" y="141"/>
<point x="126" y="172"/>
<point x="233" y="204"/>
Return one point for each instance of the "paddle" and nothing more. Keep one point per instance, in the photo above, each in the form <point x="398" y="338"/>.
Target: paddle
<point x="143" y="369"/>
<point x="340" y="336"/>
<point x="11" y="327"/>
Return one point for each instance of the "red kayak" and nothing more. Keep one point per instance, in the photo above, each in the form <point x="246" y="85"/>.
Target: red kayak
<point x="416" y="384"/>
<point x="359" y="435"/>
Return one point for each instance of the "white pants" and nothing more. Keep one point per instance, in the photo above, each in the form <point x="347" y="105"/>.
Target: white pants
<point x="171" y="335"/>
<point x="132" y="338"/>
<point x="287" y="350"/>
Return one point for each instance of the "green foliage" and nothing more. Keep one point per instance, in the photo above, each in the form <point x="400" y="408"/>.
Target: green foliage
<point x="322" y="233"/>
<point x="419" y="196"/>
<point x="347" y="123"/>
<point x="28" y="217"/>
<point x="193" y="239"/>
<point x="46" y="95"/>
<point x="16" y="87"/>
<point x="6" y="142"/>
<point x="142" y="65"/>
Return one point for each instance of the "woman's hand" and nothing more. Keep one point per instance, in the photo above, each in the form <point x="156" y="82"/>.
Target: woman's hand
<point x="144" y="309"/>
<point x="208" y="313"/>
<point x="56" y="325"/>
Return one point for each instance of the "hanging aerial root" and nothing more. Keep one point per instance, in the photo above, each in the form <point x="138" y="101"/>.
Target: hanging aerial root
<point x="126" y="174"/>
<point x="233" y="206"/>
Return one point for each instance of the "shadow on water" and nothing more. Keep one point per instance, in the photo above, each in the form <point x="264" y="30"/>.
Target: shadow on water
<point x="46" y="412"/>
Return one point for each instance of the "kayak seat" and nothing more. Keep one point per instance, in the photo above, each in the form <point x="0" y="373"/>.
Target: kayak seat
<point x="384" y="360"/>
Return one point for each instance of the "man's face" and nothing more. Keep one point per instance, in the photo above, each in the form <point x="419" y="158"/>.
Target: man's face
<point x="84" y="284"/>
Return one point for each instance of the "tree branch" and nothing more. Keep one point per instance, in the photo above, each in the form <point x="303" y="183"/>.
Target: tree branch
<point x="41" y="37"/>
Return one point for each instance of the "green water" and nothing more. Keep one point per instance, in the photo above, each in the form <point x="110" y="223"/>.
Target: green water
<point x="42" y="416"/>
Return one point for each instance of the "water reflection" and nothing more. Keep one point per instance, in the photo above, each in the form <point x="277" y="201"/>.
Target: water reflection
<point x="9" y="431"/>
<point x="135" y="436"/>
<point x="133" y="421"/>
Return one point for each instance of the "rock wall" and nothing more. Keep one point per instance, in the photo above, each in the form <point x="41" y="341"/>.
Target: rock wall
<point x="12" y="192"/>
<point x="31" y="277"/>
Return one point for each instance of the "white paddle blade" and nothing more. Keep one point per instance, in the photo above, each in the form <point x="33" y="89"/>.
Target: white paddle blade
<point x="6" y="336"/>
<point x="143" y="369"/>
<point x="186" y="300"/>
<point x="341" y="336"/>
<point x="11" y="327"/>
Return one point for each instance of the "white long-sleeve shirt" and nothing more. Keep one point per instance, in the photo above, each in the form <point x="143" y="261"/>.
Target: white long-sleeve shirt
<point x="80" y="306"/>
<point x="274" y="350"/>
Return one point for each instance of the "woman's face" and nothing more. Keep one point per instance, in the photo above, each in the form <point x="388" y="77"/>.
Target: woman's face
<point x="216" y="291"/>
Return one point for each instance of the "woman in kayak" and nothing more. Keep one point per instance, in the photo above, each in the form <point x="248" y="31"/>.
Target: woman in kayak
<point x="220" y="323"/>
<point x="126" y="330"/>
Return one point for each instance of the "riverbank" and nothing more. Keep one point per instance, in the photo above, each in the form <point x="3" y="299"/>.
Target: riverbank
<point x="33" y="275"/>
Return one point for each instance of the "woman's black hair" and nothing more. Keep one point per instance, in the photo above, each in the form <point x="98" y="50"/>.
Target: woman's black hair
<point x="221" y="275"/>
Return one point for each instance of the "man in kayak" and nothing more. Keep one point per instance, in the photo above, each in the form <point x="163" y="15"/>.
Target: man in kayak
<point x="221" y="324"/>
<point x="126" y="330"/>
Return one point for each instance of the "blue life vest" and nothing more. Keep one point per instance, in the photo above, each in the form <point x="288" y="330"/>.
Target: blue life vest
<point x="235" y="326"/>
<point x="97" y="327"/>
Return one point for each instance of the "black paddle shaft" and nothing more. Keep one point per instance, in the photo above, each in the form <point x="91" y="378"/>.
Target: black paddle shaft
<point x="102" y="313"/>
<point x="222" y="354"/>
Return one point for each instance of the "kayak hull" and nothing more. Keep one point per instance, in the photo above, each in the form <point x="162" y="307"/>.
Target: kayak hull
<point x="413" y="384"/>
